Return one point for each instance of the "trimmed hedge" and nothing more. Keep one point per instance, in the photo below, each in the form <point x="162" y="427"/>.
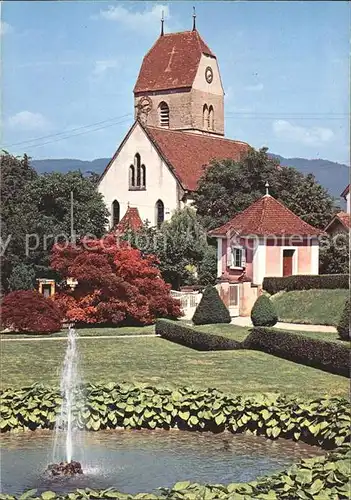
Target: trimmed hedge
<point x="329" y="356"/>
<point x="344" y="323"/>
<point x="322" y="478"/>
<point x="305" y="282"/>
<point x="211" y="309"/>
<point x="201" y="341"/>
<point x="263" y="312"/>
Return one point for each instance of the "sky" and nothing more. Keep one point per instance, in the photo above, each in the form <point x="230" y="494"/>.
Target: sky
<point x="69" y="68"/>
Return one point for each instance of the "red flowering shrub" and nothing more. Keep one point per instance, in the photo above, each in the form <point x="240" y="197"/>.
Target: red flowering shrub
<point x="116" y="284"/>
<point x="29" y="311"/>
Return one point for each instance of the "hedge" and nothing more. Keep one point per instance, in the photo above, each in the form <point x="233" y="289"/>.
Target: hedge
<point x="263" y="312"/>
<point x="188" y="336"/>
<point x="211" y="309"/>
<point x="306" y="282"/>
<point x="320" y="478"/>
<point x="329" y="356"/>
<point x="344" y="322"/>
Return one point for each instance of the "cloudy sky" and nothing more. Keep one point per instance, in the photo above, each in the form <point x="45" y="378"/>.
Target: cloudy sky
<point x="69" y="69"/>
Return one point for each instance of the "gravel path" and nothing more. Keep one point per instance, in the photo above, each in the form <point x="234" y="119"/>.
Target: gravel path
<point x="24" y="339"/>
<point x="246" y="321"/>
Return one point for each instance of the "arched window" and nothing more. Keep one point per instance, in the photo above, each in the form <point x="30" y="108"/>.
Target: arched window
<point x="211" y="118"/>
<point x="131" y="176"/>
<point x="115" y="213"/>
<point x="205" y="117"/>
<point x="143" y="176"/>
<point x="160" y="213"/>
<point x="164" y="114"/>
<point x="137" y="174"/>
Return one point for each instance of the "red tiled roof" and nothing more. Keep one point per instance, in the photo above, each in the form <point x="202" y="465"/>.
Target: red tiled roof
<point x="187" y="153"/>
<point x="344" y="218"/>
<point x="267" y="217"/>
<point x="130" y="221"/>
<point x="346" y="190"/>
<point x="172" y="62"/>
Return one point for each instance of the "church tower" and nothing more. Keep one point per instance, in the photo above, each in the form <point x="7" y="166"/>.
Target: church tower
<point x="179" y="85"/>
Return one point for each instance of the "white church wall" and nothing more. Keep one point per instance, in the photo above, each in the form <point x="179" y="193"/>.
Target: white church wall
<point x="160" y="182"/>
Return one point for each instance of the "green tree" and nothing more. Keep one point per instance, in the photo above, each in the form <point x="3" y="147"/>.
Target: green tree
<point x="229" y="186"/>
<point x="35" y="210"/>
<point x="211" y="309"/>
<point x="334" y="254"/>
<point x="22" y="277"/>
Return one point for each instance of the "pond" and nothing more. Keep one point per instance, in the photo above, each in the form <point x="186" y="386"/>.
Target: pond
<point x="134" y="461"/>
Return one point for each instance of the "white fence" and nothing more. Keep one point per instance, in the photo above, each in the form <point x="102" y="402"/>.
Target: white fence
<point x="188" y="302"/>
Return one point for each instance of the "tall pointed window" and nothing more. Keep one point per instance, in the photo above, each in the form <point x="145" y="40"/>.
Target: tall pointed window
<point x="205" y="117"/>
<point x="210" y="118"/>
<point x="115" y="213"/>
<point x="160" y="213"/>
<point x="137" y="174"/>
<point x="164" y="114"/>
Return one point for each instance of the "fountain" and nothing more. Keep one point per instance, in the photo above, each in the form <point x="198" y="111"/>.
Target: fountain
<point x="68" y="386"/>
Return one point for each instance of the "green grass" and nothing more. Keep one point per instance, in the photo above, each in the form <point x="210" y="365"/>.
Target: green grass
<point x="314" y="307"/>
<point x="159" y="362"/>
<point x="88" y="332"/>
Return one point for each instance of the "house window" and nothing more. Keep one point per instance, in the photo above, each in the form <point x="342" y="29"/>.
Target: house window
<point x="210" y="118"/>
<point x="137" y="174"/>
<point x="115" y="213"/>
<point x="164" y="114"/>
<point x="160" y="213"/>
<point x="238" y="257"/>
<point x="205" y="117"/>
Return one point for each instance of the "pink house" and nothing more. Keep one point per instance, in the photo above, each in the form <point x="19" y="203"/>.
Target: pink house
<point x="266" y="239"/>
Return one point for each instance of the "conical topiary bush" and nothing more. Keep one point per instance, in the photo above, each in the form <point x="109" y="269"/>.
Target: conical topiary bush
<point x="344" y="323"/>
<point x="211" y="309"/>
<point x="263" y="312"/>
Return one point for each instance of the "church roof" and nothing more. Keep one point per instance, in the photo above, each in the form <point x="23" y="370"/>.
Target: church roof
<point x="346" y="191"/>
<point x="172" y="62"/>
<point x="130" y="221"/>
<point x="266" y="217"/>
<point x="188" y="153"/>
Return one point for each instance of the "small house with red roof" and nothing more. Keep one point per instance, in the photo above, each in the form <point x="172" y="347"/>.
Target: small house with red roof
<point x="340" y="222"/>
<point x="130" y="221"/>
<point x="265" y="240"/>
<point x="178" y="130"/>
<point x="346" y="195"/>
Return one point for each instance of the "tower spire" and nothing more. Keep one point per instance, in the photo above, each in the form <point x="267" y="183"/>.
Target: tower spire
<point x="162" y="23"/>
<point x="267" y="188"/>
<point x="194" y="19"/>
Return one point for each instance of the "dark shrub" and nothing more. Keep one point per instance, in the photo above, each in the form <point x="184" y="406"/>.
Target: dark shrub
<point x="211" y="309"/>
<point x="344" y="323"/>
<point x="28" y="311"/>
<point x="263" y="312"/>
<point x="332" y="357"/>
<point x="22" y="277"/>
<point x="306" y="282"/>
<point x="201" y="341"/>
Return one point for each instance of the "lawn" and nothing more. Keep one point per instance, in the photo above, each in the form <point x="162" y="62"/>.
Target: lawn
<point x="316" y="307"/>
<point x="159" y="362"/>
<point x="89" y="332"/>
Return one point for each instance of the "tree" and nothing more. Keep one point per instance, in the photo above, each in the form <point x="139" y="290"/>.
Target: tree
<point x="228" y="187"/>
<point x="22" y="278"/>
<point x="211" y="309"/>
<point x="208" y="266"/>
<point x="36" y="210"/>
<point x="180" y="246"/>
<point x="334" y="255"/>
<point x="29" y="311"/>
<point x="116" y="284"/>
<point x="263" y="312"/>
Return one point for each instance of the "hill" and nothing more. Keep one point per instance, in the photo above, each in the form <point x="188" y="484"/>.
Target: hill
<point x="333" y="176"/>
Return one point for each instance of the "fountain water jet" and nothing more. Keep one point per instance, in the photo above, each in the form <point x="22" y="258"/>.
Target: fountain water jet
<point x="68" y="386"/>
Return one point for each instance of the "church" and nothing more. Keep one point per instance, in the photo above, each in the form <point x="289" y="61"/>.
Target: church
<point x="178" y="130"/>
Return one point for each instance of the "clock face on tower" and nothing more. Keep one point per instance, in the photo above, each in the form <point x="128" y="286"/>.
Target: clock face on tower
<point x="209" y="74"/>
